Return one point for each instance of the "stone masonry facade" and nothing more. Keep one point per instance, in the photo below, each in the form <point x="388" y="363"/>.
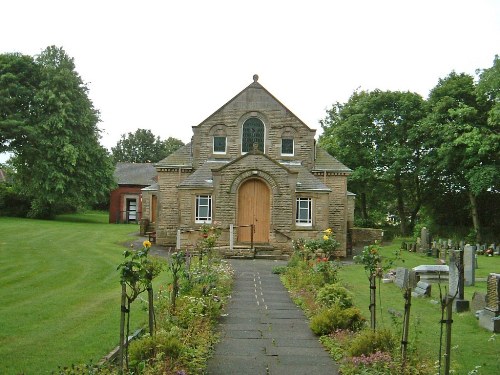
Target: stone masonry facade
<point x="307" y="187"/>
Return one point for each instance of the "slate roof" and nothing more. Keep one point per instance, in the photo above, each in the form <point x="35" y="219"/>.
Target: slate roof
<point x="305" y="179"/>
<point x="202" y="177"/>
<point x="153" y="187"/>
<point x="182" y="157"/>
<point x="143" y="174"/>
<point x="326" y="162"/>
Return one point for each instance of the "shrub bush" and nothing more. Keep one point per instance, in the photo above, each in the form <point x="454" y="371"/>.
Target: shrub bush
<point x="331" y="319"/>
<point x="334" y="294"/>
<point x="149" y="346"/>
<point x="369" y="342"/>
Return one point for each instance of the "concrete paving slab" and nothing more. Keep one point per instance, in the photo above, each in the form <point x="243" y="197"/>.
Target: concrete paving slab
<point x="264" y="332"/>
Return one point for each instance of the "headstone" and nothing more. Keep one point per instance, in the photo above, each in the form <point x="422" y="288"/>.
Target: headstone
<point x="424" y="239"/>
<point x="489" y="317"/>
<point x="422" y="289"/>
<point x="478" y="301"/>
<point x="456" y="283"/>
<point x="402" y="276"/>
<point x="469" y="265"/>
<point x="432" y="272"/>
<point x="453" y="277"/>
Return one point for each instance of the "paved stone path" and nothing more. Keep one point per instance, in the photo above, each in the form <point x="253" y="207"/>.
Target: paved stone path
<point x="264" y="333"/>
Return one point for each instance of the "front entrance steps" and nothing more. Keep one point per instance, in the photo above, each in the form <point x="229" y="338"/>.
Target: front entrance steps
<point x="244" y="251"/>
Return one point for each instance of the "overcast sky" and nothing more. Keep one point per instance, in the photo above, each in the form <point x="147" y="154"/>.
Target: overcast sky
<point x="168" y="65"/>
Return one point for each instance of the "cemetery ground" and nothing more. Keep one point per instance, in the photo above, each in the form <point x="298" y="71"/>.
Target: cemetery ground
<point x="473" y="347"/>
<point x="60" y="298"/>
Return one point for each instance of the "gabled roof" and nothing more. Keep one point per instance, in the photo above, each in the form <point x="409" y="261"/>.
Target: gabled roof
<point x="143" y="174"/>
<point x="326" y="162"/>
<point x="306" y="181"/>
<point x="182" y="157"/>
<point x="256" y="84"/>
<point x="202" y="177"/>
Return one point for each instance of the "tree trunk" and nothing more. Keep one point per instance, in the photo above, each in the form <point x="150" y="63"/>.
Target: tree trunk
<point x="373" y="298"/>
<point x="364" y="211"/>
<point x="123" y="310"/>
<point x="475" y="216"/>
<point x="400" y="205"/>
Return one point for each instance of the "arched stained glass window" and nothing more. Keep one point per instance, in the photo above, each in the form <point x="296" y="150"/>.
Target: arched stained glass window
<point x="253" y="132"/>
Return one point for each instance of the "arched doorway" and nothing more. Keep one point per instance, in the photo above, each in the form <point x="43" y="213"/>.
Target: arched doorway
<point x="254" y="207"/>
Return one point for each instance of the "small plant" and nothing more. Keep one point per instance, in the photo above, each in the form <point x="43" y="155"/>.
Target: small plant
<point x="325" y="247"/>
<point x="369" y="342"/>
<point x="334" y="294"/>
<point x="333" y="318"/>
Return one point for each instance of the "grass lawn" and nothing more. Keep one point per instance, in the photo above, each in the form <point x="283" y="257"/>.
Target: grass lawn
<point x="471" y="345"/>
<point x="60" y="291"/>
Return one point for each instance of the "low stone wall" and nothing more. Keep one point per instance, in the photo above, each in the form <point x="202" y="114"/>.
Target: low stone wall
<point x="361" y="237"/>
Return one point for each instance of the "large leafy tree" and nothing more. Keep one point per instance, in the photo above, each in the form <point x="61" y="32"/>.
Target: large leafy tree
<point x="19" y="79"/>
<point x="462" y="137"/>
<point x="143" y="146"/>
<point x="375" y="134"/>
<point x="57" y="156"/>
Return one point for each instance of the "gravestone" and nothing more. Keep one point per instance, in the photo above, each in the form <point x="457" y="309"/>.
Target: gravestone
<point x="456" y="282"/>
<point x="453" y="277"/>
<point x="489" y="317"/>
<point x="432" y="273"/>
<point x="469" y="265"/>
<point x="424" y="239"/>
<point x="405" y="278"/>
<point x="478" y="301"/>
<point x="422" y="289"/>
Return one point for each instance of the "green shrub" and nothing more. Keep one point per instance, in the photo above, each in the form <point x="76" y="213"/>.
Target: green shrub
<point x="328" y="320"/>
<point x="278" y="270"/>
<point x="334" y="294"/>
<point x="369" y="341"/>
<point x="148" y="347"/>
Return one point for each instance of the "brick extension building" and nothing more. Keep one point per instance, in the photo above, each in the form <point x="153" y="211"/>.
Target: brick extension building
<point x="251" y="162"/>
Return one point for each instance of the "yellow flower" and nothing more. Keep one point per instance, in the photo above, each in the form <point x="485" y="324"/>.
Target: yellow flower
<point x="146" y="244"/>
<point x="328" y="231"/>
<point x="325" y="237"/>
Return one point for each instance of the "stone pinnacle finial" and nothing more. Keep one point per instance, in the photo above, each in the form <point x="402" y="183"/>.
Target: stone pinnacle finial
<point x="255" y="77"/>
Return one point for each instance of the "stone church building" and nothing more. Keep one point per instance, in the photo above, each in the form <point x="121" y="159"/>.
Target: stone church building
<point x="251" y="162"/>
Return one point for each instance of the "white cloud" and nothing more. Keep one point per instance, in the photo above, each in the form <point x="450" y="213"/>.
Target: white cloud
<point x="167" y="65"/>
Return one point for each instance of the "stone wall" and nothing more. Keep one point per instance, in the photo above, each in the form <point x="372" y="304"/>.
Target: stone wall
<point x="362" y="237"/>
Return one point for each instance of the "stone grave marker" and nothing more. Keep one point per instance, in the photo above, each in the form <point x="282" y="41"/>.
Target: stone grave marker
<point x="405" y="278"/>
<point x="456" y="283"/>
<point x="432" y="273"/>
<point x="469" y="265"/>
<point x="453" y="278"/>
<point x="478" y="301"/>
<point x="422" y="289"/>
<point x="424" y="239"/>
<point x="489" y="317"/>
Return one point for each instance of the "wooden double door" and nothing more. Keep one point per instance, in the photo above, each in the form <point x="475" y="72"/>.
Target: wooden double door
<point x="254" y="207"/>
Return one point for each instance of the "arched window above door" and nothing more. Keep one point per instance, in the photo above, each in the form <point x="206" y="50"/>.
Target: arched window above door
<point x="253" y="132"/>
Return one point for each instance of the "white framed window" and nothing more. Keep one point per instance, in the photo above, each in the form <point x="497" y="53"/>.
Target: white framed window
<point x="203" y="209"/>
<point x="219" y="144"/>
<point x="303" y="214"/>
<point x="287" y="146"/>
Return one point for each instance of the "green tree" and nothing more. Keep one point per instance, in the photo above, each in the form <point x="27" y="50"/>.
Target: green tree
<point x="57" y="156"/>
<point x="375" y="134"/>
<point x="143" y="147"/>
<point x="19" y="79"/>
<point x="462" y="138"/>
